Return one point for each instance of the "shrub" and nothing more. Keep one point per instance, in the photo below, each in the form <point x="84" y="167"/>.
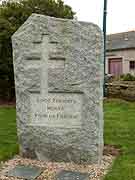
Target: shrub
<point x="128" y="77"/>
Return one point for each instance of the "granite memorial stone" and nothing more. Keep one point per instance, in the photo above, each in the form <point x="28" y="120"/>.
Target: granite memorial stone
<point x="58" y="67"/>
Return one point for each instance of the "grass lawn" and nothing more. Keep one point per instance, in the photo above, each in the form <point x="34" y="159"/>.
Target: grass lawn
<point x="119" y="131"/>
<point x="8" y="137"/>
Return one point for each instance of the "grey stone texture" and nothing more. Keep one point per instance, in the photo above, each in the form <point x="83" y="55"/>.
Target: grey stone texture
<point x="72" y="175"/>
<point x="25" y="172"/>
<point x="58" y="67"/>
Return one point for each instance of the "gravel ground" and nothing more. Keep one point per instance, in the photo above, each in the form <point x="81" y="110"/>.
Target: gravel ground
<point x="50" y="169"/>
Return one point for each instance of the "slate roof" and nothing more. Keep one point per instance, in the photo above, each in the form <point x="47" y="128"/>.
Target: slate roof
<point x="119" y="41"/>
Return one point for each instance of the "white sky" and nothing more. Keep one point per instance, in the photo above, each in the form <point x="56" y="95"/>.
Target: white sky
<point x="120" y="17"/>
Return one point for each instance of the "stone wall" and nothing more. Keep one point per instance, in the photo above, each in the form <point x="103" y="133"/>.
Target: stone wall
<point x="122" y="89"/>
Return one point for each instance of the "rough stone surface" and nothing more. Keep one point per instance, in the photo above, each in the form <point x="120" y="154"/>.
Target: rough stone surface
<point x="72" y="175"/>
<point x="26" y="172"/>
<point x="121" y="89"/>
<point x="58" y="67"/>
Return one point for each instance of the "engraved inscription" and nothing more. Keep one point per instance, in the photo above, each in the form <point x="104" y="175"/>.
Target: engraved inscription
<point x="56" y="110"/>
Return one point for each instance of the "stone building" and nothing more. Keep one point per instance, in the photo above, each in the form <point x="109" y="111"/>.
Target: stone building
<point x="121" y="53"/>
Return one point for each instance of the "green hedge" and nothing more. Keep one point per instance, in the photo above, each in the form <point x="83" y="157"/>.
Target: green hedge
<point x="128" y="77"/>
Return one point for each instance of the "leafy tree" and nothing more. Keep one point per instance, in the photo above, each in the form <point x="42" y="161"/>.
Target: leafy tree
<point x="12" y="15"/>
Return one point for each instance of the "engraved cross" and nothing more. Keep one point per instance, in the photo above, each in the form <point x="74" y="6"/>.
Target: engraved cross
<point x="38" y="102"/>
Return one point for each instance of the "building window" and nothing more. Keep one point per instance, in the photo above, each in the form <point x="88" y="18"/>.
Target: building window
<point x="132" y="65"/>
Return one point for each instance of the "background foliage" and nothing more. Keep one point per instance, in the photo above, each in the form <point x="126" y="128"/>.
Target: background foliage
<point x="12" y="15"/>
<point x="128" y="77"/>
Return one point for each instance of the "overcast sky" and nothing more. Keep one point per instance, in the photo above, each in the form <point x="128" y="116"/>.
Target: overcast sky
<point x="120" y="18"/>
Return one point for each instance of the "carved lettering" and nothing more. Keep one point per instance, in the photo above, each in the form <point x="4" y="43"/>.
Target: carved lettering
<point x="57" y="109"/>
